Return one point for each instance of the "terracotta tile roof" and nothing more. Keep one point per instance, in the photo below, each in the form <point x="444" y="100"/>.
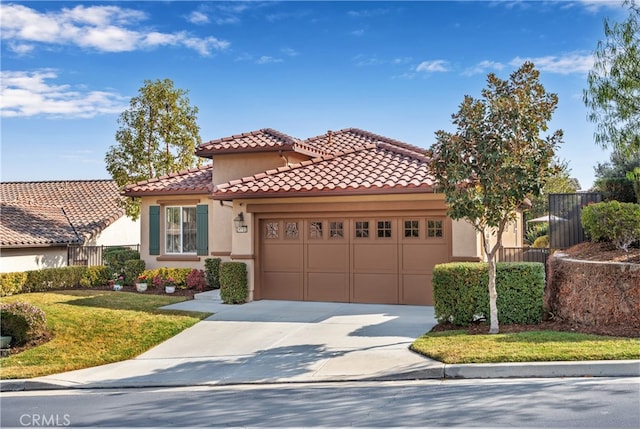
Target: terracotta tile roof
<point x="377" y="166"/>
<point x="30" y="226"/>
<point x="263" y="140"/>
<point x="56" y="212"/>
<point x="193" y="181"/>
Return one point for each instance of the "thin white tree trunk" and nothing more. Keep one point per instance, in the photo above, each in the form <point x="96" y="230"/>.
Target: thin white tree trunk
<point x="493" y="294"/>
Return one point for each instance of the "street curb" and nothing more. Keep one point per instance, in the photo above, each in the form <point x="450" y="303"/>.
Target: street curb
<point x="617" y="368"/>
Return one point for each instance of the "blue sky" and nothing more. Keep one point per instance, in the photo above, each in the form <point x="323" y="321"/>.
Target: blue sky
<point x="399" y="69"/>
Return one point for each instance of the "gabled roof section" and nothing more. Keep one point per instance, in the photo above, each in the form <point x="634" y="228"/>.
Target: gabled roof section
<point x="56" y="212"/>
<point x="334" y="142"/>
<point x="371" y="166"/>
<point x="193" y="181"/>
<point x="264" y="140"/>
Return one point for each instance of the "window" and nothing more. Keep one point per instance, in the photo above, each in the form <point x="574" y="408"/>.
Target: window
<point x="362" y="229"/>
<point x="336" y="230"/>
<point x="272" y="230"/>
<point x="434" y="228"/>
<point x="180" y="227"/>
<point x="384" y="229"/>
<point x="315" y="230"/>
<point x="291" y="231"/>
<point x="411" y="229"/>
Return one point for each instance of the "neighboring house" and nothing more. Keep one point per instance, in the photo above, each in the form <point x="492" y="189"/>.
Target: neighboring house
<point x="349" y="216"/>
<point x="40" y="220"/>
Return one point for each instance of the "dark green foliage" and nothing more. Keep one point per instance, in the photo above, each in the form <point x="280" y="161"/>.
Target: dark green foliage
<point x="115" y="257"/>
<point x="614" y="222"/>
<point x="212" y="269"/>
<point x="233" y="282"/>
<point x="460" y="292"/>
<point x="132" y="269"/>
<point x="22" y="322"/>
<point x="54" y="278"/>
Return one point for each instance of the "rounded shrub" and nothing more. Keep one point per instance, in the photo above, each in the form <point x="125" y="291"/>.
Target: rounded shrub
<point x="212" y="270"/>
<point x="541" y="242"/>
<point x="613" y="221"/>
<point x="132" y="269"/>
<point x="22" y="321"/>
<point x="233" y="282"/>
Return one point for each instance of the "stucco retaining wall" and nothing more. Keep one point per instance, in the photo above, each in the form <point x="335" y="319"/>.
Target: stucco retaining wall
<point x="593" y="293"/>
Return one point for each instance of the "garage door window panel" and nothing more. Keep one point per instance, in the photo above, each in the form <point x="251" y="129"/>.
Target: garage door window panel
<point x="411" y="228"/>
<point x="291" y="231"/>
<point x="435" y="229"/>
<point x="315" y="230"/>
<point x="272" y="230"/>
<point x="336" y="230"/>
<point x="362" y="229"/>
<point x="384" y="229"/>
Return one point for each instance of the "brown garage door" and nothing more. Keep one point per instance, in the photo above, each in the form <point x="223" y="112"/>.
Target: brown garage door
<point x="387" y="260"/>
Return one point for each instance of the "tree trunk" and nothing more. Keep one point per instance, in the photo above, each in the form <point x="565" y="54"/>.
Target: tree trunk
<point x="493" y="294"/>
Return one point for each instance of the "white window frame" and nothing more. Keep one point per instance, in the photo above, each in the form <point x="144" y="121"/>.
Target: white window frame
<point x="181" y="230"/>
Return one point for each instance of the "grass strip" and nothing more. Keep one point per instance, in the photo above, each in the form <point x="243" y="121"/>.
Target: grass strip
<point x="92" y="328"/>
<point x="533" y="346"/>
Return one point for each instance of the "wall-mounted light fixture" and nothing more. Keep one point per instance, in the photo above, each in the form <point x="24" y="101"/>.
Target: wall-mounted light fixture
<point x="241" y="227"/>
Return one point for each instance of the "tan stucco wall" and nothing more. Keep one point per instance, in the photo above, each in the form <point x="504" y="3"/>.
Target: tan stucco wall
<point x="466" y="241"/>
<point x="152" y="261"/>
<point x="228" y="167"/>
<point x="32" y="258"/>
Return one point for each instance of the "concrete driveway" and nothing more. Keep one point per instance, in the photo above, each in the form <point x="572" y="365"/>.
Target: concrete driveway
<point x="276" y="341"/>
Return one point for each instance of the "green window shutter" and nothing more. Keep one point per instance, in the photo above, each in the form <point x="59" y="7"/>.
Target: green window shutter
<point x="154" y="230"/>
<point x="202" y="229"/>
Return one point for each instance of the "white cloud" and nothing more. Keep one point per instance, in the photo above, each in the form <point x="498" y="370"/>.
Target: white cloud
<point x="30" y="93"/>
<point x="198" y="18"/>
<point x="357" y="33"/>
<point x="483" y="67"/>
<point x="564" y="64"/>
<point x="265" y="59"/>
<point x="595" y="5"/>
<point x="289" y="52"/>
<point x="433" y="66"/>
<point x="102" y="28"/>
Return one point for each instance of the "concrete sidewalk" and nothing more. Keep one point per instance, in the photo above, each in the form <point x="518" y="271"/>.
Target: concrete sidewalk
<point x="283" y="341"/>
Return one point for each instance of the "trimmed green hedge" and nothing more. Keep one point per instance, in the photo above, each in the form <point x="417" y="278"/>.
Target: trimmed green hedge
<point x="53" y="278"/>
<point x="234" y="288"/>
<point x="212" y="270"/>
<point x="461" y="295"/>
<point x="132" y="269"/>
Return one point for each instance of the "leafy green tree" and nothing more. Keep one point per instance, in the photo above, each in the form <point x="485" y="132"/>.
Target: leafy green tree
<point x="613" y="93"/>
<point x="157" y="135"/>
<point x="558" y="182"/>
<point x="496" y="158"/>
<point x="615" y="178"/>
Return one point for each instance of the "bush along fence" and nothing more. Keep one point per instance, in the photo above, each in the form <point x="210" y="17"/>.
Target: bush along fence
<point x="99" y="276"/>
<point x="233" y="282"/>
<point x="461" y="297"/>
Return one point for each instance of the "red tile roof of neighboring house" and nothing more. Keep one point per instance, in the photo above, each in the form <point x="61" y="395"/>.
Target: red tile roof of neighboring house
<point x="263" y="140"/>
<point x="193" y="181"/>
<point x="56" y="212"/>
<point x="369" y="168"/>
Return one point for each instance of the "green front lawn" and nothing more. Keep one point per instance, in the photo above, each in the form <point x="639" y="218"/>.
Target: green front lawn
<point x="95" y="327"/>
<point x="534" y="346"/>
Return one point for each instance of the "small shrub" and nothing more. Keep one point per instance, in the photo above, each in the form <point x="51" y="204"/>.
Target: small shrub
<point x="461" y="296"/>
<point x="22" y="321"/>
<point x="161" y="275"/>
<point x="541" y="242"/>
<point x="196" y="280"/>
<point x="96" y="276"/>
<point x="115" y="258"/>
<point x="132" y="270"/>
<point x="536" y="230"/>
<point x="11" y="283"/>
<point x="233" y="282"/>
<point x="212" y="269"/>
<point x="614" y="222"/>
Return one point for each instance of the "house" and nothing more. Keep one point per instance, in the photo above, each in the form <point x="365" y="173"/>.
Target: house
<point x="348" y="216"/>
<point x="41" y="220"/>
